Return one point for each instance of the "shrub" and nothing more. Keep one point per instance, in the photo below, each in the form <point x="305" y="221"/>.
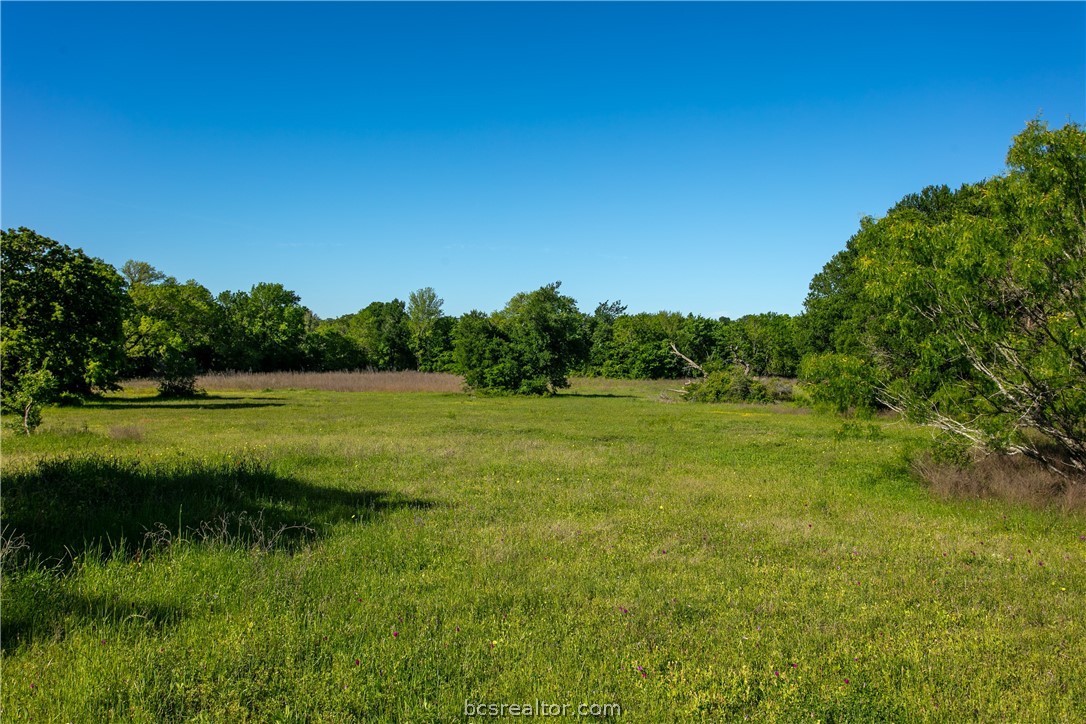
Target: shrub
<point x="731" y="384"/>
<point x="26" y="398"/>
<point x="176" y="374"/>
<point x="527" y="348"/>
<point x="840" y="382"/>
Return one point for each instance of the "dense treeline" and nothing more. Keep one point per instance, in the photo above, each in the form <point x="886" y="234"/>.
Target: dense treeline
<point x="961" y="308"/>
<point x="91" y="326"/>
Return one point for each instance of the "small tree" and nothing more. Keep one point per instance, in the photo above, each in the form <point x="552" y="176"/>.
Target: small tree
<point x="423" y="317"/>
<point x="25" y="399"/>
<point x="169" y="329"/>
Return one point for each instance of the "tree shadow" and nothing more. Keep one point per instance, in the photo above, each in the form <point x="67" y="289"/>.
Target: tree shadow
<point x="203" y="403"/>
<point x="35" y="610"/>
<point x="592" y="394"/>
<point x="64" y="510"/>
<point x="69" y="507"/>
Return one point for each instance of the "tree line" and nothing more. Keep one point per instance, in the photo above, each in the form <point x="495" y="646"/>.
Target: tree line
<point x="962" y="308"/>
<point x="90" y="325"/>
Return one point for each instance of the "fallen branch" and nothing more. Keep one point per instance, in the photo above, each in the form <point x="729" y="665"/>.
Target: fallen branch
<point x="689" y="362"/>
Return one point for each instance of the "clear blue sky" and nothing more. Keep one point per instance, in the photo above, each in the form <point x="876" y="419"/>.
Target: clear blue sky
<point x="704" y="158"/>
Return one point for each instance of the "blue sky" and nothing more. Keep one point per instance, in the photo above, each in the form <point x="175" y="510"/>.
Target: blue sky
<point x="705" y="158"/>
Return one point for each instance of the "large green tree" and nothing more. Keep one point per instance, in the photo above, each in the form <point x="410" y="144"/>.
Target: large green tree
<point x="424" y="317"/>
<point x="984" y="296"/>
<point x="169" y="329"/>
<point x="62" y="312"/>
<point x="262" y="329"/>
<point x="529" y="347"/>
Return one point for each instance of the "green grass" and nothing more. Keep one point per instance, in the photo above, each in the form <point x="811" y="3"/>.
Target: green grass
<point x="324" y="556"/>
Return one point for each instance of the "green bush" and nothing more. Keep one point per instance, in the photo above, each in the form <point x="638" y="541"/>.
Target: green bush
<point x="26" y="398"/>
<point x="839" y="382"/>
<point x="733" y="384"/>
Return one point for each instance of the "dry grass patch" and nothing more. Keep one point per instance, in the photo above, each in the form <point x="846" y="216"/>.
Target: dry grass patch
<point x="133" y="433"/>
<point x="356" y="381"/>
<point x="1013" y="478"/>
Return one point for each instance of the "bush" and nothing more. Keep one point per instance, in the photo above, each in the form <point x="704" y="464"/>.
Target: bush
<point x="27" y="397"/>
<point x="731" y="384"/>
<point x="840" y="383"/>
<point x="176" y="375"/>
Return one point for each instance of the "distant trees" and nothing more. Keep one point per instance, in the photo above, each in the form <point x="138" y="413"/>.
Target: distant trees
<point x="261" y="330"/>
<point x="62" y="312"/>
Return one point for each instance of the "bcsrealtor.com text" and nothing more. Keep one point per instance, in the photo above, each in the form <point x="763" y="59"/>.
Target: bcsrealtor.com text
<point x="540" y="708"/>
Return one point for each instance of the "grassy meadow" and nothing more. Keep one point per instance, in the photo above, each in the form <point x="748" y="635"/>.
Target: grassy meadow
<point x="272" y="553"/>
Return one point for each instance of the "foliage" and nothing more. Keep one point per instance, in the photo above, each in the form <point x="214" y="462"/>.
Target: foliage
<point x="168" y="329"/>
<point x="382" y="330"/>
<point x="839" y="382"/>
<point x="327" y="349"/>
<point x="62" y="311"/>
<point x="639" y="345"/>
<point x="830" y="322"/>
<point x="483" y="355"/>
<point x="429" y="337"/>
<point x="730" y="384"/>
<point x="764" y="344"/>
<point x="262" y="330"/>
<point x="27" y="396"/>
<point x="988" y="293"/>
<point x="600" y="330"/>
<point x="527" y="348"/>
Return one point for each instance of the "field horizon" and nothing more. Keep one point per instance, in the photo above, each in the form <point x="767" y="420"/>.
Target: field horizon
<point x="313" y="555"/>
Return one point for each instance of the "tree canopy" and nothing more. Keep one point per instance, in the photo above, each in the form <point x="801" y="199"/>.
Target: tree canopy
<point x="971" y="305"/>
<point x="62" y="312"/>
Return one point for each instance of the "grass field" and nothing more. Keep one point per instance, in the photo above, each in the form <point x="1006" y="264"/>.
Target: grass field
<point x="294" y="555"/>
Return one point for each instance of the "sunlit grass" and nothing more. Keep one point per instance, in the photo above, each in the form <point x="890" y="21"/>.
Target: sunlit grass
<point x="684" y="561"/>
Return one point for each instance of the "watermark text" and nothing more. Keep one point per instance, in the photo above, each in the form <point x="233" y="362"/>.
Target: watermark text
<point x="540" y="708"/>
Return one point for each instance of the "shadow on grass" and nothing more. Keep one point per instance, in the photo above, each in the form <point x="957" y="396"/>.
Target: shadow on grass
<point x="593" y="394"/>
<point x="39" y="606"/>
<point x="191" y="403"/>
<point x="65" y="510"/>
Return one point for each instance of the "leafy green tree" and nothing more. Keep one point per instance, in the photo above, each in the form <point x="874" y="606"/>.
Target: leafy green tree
<point x="483" y="355"/>
<point x="830" y="321"/>
<point x="62" y="312"/>
<point x="385" y="335"/>
<point x="327" y="349"/>
<point x="169" y="328"/>
<point x="262" y="330"/>
<point x="25" y="399"/>
<point x="528" y="347"/>
<point x="763" y="344"/>
<point x="987" y="292"/>
<point x="426" y="331"/>
<point x="841" y="383"/>
<point x="600" y="328"/>
<point x="140" y="272"/>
